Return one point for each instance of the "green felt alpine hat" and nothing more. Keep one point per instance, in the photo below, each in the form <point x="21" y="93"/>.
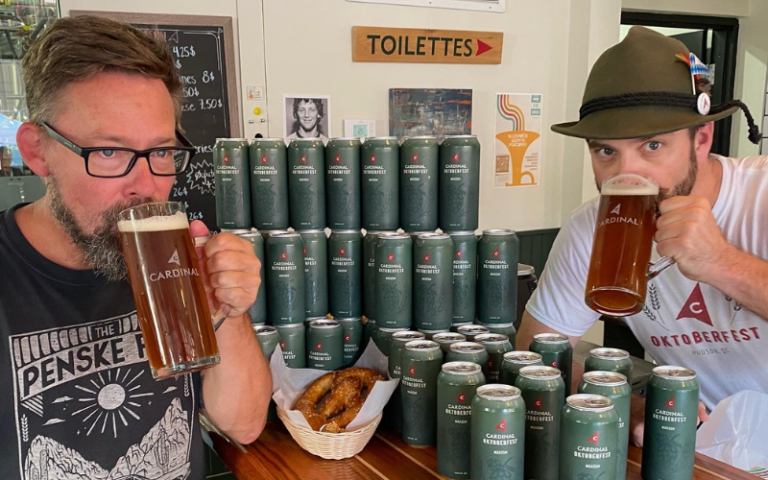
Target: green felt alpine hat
<point x="643" y="86"/>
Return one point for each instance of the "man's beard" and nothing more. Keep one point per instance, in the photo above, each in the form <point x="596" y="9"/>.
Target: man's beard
<point x="101" y="249"/>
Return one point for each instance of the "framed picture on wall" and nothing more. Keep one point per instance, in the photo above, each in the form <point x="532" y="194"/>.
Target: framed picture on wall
<point x="307" y="116"/>
<point x="430" y="111"/>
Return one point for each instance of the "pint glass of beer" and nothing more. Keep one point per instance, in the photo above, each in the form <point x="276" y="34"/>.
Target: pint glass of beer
<point x="170" y="297"/>
<point x="626" y="223"/>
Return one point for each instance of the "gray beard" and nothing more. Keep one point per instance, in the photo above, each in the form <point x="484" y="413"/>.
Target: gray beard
<point x="101" y="249"/>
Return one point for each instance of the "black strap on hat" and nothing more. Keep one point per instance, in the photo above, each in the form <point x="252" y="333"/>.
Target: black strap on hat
<point x="666" y="99"/>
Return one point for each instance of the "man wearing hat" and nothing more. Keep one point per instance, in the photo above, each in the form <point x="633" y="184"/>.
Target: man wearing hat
<point x="642" y="114"/>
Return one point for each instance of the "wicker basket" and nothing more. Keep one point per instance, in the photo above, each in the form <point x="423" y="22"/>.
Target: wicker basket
<point x="331" y="446"/>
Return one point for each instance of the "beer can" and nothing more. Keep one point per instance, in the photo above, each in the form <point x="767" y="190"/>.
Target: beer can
<point x="342" y="183"/>
<point x="459" y="180"/>
<point x="383" y="339"/>
<point x="417" y="233"/>
<point x="543" y="391"/>
<point x="265" y="234"/>
<point x="497" y="276"/>
<point x="369" y="272"/>
<point x="393" y="412"/>
<point x="258" y="311"/>
<point x="671" y="412"/>
<point x="419" y="168"/>
<point x="496" y="345"/>
<point x="420" y="365"/>
<point x="471" y="331"/>
<point x="513" y="362"/>
<point x="433" y="282"/>
<point x="380" y="192"/>
<point x="468" y="352"/>
<point x="446" y="339"/>
<point x="556" y="352"/>
<point x="498" y="433"/>
<point x="325" y="349"/>
<point x="268" y="339"/>
<point x="614" y="386"/>
<point x="430" y="334"/>
<point x="394" y="277"/>
<point x="315" y="272"/>
<point x="456" y="386"/>
<point x="507" y="329"/>
<point x="306" y="183"/>
<point x="269" y="183"/>
<point x="312" y="319"/>
<point x="293" y="342"/>
<point x="233" y="183"/>
<point x="285" y="279"/>
<point x="610" y="360"/>
<point x="588" y="437"/>
<point x="369" y="332"/>
<point x="464" y="276"/>
<point x="345" y="275"/>
<point x="352" y="333"/>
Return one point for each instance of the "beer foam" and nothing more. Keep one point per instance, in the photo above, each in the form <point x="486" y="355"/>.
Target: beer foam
<point x="629" y="189"/>
<point x="177" y="221"/>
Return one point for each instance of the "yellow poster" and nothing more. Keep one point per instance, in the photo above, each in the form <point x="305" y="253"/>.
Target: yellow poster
<point x="518" y="145"/>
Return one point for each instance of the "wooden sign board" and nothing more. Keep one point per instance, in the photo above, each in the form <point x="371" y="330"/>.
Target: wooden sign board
<point x="415" y="45"/>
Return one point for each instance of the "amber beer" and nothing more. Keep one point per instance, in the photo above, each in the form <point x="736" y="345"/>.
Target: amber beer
<point x="167" y="288"/>
<point x="625" y="226"/>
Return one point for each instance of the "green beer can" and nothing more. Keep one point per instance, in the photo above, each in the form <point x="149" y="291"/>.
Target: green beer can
<point x="306" y="183"/>
<point x="369" y="272"/>
<point x="610" y="360"/>
<point x="513" y="362"/>
<point x="430" y="334"/>
<point x="352" y="333"/>
<point x="233" y="183"/>
<point x="446" y="339"/>
<point x="543" y="391"/>
<point x="394" y="277"/>
<point x="496" y="345"/>
<point x="312" y="319"/>
<point x="268" y="339"/>
<point x="471" y="331"/>
<point x="393" y="411"/>
<point x="269" y="183"/>
<point x="342" y="183"/>
<point x="258" y="311"/>
<point x="671" y="412"/>
<point x="507" y="329"/>
<point x="419" y="168"/>
<point x="498" y="433"/>
<point x="293" y="342"/>
<point x="325" y="349"/>
<point x="433" y="282"/>
<point x="383" y="339"/>
<point x="380" y="192"/>
<point x="420" y="365"/>
<point x="556" y="352"/>
<point x="265" y="234"/>
<point x="285" y="279"/>
<point x="369" y="332"/>
<point x="614" y="386"/>
<point x="588" y="438"/>
<point x="498" y="251"/>
<point x="459" y="183"/>
<point x="456" y="386"/>
<point x="315" y="272"/>
<point x="345" y="275"/>
<point x="416" y="234"/>
<point x="468" y="352"/>
<point x="464" y="276"/>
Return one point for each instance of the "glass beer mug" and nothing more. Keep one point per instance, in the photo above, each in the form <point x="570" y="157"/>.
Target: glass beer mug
<point x="620" y="266"/>
<point x="168" y="290"/>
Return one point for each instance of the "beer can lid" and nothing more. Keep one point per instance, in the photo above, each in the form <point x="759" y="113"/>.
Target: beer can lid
<point x="473" y="329"/>
<point x="498" y="391"/>
<point x="237" y="231"/>
<point x="324" y="324"/>
<point x="269" y="139"/>
<point x="433" y="236"/>
<point x="448" y="337"/>
<point x="320" y="317"/>
<point x="540" y="372"/>
<point x="461" y="136"/>
<point x="418" y="232"/>
<point x="306" y="139"/>
<point x="589" y="403"/>
<point x="674" y="373"/>
<point x="273" y="232"/>
<point x="462" y="368"/>
<point x="421" y="137"/>
<point x="467" y="347"/>
<point x="422" y="345"/>
<point x="406" y="336"/>
<point x="348" y="319"/>
<point x="249" y="235"/>
<point x="433" y="332"/>
<point x="381" y="138"/>
<point x="379" y="232"/>
<point x="461" y="233"/>
<point x="290" y="326"/>
<point x="607" y="379"/>
<point x="553" y="338"/>
<point x="346" y="231"/>
<point x="498" y="231"/>
<point x="525" y="270"/>
<point x="260" y="329"/>
<point x="393" y="236"/>
<point x="393" y="330"/>
<point x="311" y="230"/>
<point x="222" y="139"/>
<point x="491" y="338"/>
<point x="284" y="235"/>
<point x="345" y="139"/>
<point x="498" y="325"/>
<point x="609" y="353"/>
<point x="522" y="357"/>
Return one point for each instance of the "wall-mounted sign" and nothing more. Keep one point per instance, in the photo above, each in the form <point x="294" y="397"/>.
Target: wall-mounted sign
<point x="415" y="45"/>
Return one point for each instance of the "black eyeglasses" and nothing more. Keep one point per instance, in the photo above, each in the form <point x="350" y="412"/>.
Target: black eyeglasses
<point x="114" y="162"/>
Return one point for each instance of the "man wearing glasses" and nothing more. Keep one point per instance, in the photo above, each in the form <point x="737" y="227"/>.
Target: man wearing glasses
<point x="76" y="395"/>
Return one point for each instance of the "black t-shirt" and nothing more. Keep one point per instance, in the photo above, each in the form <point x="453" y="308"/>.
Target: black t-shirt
<point x="77" y="399"/>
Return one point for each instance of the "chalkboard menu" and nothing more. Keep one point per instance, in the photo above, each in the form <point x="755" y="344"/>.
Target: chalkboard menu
<point x="202" y="49"/>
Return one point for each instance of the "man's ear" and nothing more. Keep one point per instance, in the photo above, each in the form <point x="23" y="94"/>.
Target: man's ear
<point x="702" y="140"/>
<point x="32" y="142"/>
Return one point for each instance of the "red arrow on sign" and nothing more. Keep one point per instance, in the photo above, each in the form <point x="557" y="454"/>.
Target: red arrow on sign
<point x="482" y="47"/>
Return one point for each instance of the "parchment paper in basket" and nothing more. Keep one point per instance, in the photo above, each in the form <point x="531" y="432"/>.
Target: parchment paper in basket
<point x="289" y="383"/>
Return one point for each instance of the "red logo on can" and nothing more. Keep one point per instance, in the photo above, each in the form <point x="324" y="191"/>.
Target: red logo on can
<point x="282" y="344"/>
<point x="373" y="158"/>
<point x="461" y="398"/>
<point x="595" y="438"/>
<point x="305" y="250"/>
<point x="338" y="158"/>
<point x="456" y="157"/>
<point x="264" y="159"/>
<point x="415" y="157"/>
<point x="347" y="338"/>
<point x="319" y="346"/>
<point x="458" y="254"/>
<point x="342" y="251"/>
<point x="537" y="403"/>
<point x="490" y="363"/>
<point x="412" y="371"/>
<point x="553" y="364"/>
<point x="303" y="158"/>
<point x="670" y="403"/>
<point x="495" y="254"/>
<point x="226" y="159"/>
<point x="391" y="257"/>
<point x="284" y="255"/>
<point x="502" y="426"/>
<point x="426" y="258"/>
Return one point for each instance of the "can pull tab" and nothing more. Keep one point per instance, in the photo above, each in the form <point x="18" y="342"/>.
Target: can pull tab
<point x="218" y="317"/>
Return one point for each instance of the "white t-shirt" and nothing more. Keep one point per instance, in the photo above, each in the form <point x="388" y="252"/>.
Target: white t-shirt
<point x="684" y="323"/>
